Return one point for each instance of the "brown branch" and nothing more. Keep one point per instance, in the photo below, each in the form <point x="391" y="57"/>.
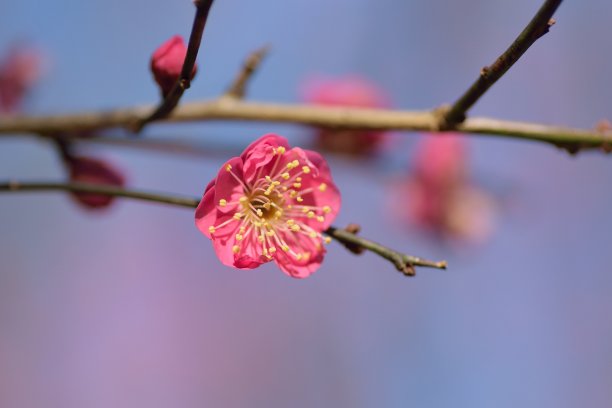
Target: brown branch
<point x="238" y="88"/>
<point x="403" y="262"/>
<point x="184" y="81"/>
<point x="537" y="27"/>
<point x="323" y="116"/>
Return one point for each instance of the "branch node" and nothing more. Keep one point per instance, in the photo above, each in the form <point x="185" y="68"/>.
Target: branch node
<point x="441" y="116"/>
<point x="409" y="270"/>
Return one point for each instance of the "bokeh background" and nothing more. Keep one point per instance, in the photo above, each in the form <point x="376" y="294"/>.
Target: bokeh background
<point x="131" y="308"/>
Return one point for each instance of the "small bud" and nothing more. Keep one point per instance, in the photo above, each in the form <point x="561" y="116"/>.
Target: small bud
<point x="167" y="63"/>
<point x="93" y="171"/>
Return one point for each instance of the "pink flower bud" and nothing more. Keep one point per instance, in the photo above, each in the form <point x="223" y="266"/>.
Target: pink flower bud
<point x="351" y="91"/>
<point x="93" y="171"/>
<point x="272" y="203"/>
<point x="167" y="63"/>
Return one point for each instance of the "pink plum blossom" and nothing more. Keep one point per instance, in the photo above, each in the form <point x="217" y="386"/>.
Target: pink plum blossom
<point x="273" y="202"/>
<point x="19" y="70"/>
<point x="167" y="63"/>
<point x="439" y="196"/>
<point x="350" y="91"/>
<point x="93" y="171"/>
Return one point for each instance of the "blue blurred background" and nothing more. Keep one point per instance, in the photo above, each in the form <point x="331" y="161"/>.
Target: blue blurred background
<point x="131" y="308"/>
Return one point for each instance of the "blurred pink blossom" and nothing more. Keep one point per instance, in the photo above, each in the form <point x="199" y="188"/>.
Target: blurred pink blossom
<point x="350" y="91"/>
<point x="272" y="203"/>
<point x="438" y="195"/>
<point x="20" y="68"/>
<point x="167" y="63"/>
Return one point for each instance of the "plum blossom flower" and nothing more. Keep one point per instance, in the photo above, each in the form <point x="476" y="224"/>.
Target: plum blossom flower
<point x="438" y="195"/>
<point x="94" y="171"/>
<point x="350" y="91"/>
<point x="273" y="202"/>
<point x="19" y="70"/>
<point x="167" y="63"/>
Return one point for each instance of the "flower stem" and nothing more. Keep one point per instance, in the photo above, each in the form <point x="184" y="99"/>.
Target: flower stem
<point x="403" y="262"/>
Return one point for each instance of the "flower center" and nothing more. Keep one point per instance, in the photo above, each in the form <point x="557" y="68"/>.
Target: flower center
<point x="266" y="208"/>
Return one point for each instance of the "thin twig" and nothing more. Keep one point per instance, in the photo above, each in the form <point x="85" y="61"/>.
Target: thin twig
<point x="184" y="81"/>
<point x="238" y="88"/>
<point x="537" y="27"/>
<point x="404" y="263"/>
<point x="323" y="116"/>
<point x="16" y="186"/>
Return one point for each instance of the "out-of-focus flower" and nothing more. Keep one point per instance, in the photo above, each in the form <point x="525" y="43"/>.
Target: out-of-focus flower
<point x="167" y="63"/>
<point x="93" y="171"/>
<point x="271" y="203"/>
<point x="20" y="68"/>
<point x="351" y="91"/>
<point x="438" y="195"/>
